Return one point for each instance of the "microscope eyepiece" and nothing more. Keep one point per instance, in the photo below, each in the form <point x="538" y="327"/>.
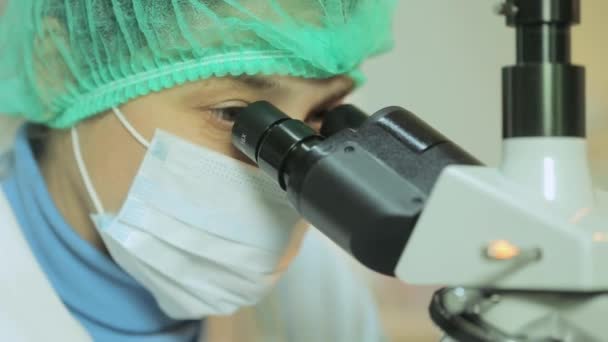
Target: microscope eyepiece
<point x="251" y="124"/>
<point x="267" y="136"/>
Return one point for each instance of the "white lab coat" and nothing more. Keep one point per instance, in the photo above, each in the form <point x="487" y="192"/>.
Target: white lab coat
<point x="29" y="308"/>
<point x="318" y="300"/>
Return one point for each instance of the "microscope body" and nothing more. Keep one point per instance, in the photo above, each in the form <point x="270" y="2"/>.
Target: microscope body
<point x="522" y="245"/>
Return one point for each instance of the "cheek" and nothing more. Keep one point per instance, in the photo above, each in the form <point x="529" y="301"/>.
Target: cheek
<point x="198" y="127"/>
<point x="124" y="172"/>
<point x="112" y="158"/>
<point x="202" y="129"/>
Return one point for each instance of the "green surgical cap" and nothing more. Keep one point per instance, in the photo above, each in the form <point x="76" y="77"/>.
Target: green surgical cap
<point x="62" y="61"/>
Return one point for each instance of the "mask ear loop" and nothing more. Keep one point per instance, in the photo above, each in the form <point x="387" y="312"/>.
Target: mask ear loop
<point x="129" y="128"/>
<point x="88" y="184"/>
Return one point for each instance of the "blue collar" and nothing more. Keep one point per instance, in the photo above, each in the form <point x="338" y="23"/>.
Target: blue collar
<point x="108" y="302"/>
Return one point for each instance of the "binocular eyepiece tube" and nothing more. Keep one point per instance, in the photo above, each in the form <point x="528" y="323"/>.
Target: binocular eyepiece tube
<point x="362" y="181"/>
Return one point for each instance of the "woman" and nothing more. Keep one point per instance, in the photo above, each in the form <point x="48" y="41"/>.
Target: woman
<point x="127" y="212"/>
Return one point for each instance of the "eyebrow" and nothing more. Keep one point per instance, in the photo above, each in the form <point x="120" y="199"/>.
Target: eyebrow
<point x="257" y="82"/>
<point x="265" y="83"/>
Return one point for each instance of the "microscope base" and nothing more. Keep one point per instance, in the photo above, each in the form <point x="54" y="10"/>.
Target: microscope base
<point x="475" y="315"/>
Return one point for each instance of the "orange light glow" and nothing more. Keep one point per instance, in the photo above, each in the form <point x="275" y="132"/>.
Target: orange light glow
<point x="502" y="250"/>
<point x="600" y="237"/>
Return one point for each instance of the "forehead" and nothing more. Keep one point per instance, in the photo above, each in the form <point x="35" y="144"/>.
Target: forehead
<point x="265" y="84"/>
<point x="277" y="89"/>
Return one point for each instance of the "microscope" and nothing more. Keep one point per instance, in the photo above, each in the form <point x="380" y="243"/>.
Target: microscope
<point x="520" y="247"/>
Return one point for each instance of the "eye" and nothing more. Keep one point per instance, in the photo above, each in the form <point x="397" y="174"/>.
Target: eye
<point x="317" y="116"/>
<point x="223" y="114"/>
<point x="227" y="114"/>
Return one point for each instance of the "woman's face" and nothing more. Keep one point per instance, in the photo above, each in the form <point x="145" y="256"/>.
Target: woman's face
<point x="202" y="113"/>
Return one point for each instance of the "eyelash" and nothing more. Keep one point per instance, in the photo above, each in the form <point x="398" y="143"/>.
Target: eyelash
<point x="227" y="114"/>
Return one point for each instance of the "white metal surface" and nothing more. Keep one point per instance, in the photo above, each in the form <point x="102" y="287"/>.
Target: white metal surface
<point x="555" y="168"/>
<point x="540" y="198"/>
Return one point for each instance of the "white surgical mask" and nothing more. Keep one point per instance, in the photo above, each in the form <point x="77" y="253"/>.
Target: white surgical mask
<point x="203" y="232"/>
